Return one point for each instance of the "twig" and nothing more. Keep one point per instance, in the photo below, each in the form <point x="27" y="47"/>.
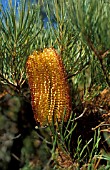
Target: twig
<point x="77" y="72"/>
<point x="8" y="82"/>
<point x="97" y="164"/>
<point x="16" y="137"/>
<point x="81" y="115"/>
<point x="104" y="71"/>
<point x="16" y="157"/>
<point x="9" y="138"/>
<point x="3" y="94"/>
<point x="47" y="165"/>
<point x="105" y="53"/>
<point x="105" y="130"/>
<point x="108" y="137"/>
<point x="101" y="124"/>
<point x="42" y="138"/>
<point x="42" y="127"/>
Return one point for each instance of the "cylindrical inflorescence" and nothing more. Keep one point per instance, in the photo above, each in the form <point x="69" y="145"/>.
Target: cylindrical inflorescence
<point x="48" y="86"/>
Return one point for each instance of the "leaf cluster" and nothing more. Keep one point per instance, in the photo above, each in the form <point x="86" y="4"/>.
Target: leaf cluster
<point x="19" y="27"/>
<point x="79" y="30"/>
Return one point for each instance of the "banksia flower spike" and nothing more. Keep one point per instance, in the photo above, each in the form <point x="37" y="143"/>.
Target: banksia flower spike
<point x="48" y="86"/>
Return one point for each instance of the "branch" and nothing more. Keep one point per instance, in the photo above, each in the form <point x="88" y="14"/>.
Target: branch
<point x="100" y="56"/>
<point x="104" y="54"/>
<point x="8" y="82"/>
<point x="81" y="115"/>
<point x="101" y="124"/>
<point x="77" y="72"/>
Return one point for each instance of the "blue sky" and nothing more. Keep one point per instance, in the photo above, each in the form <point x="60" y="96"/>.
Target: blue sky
<point x="5" y="2"/>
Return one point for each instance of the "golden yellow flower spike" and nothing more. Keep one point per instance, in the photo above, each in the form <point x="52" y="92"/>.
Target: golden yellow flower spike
<point x="48" y="86"/>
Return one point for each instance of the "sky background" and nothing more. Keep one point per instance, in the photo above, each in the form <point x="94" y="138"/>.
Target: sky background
<point x="5" y="2"/>
<point x="45" y="19"/>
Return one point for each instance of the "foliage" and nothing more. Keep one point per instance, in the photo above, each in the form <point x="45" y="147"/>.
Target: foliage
<point x="18" y="31"/>
<point x="80" y="31"/>
<point x="81" y="156"/>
